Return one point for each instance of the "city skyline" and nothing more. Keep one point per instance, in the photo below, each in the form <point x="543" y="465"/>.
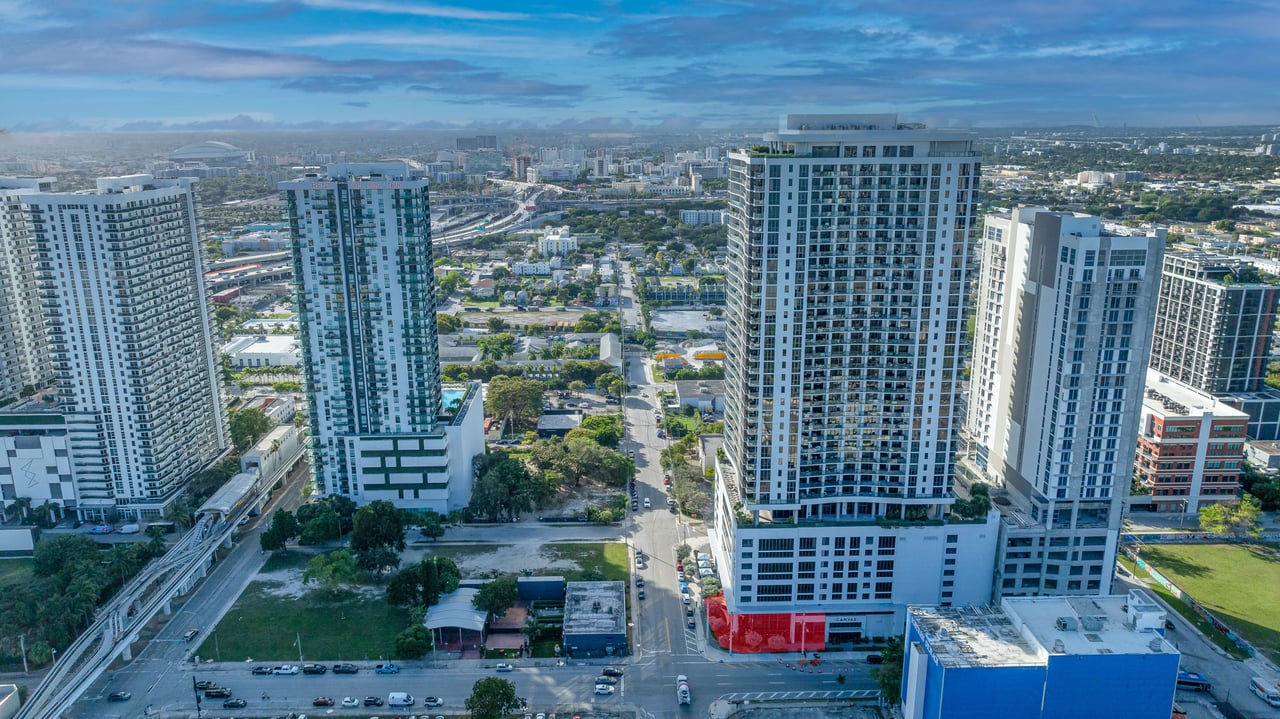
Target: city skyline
<point x="365" y="64"/>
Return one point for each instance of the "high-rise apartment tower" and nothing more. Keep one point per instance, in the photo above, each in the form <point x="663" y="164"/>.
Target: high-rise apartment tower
<point x="24" y="345"/>
<point x="1061" y="343"/>
<point x="122" y="285"/>
<point x="849" y="240"/>
<point x="1213" y="328"/>
<point x="381" y="425"/>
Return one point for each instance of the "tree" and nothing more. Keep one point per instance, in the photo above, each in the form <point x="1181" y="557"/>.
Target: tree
<point x="451" y="282"/>
<point x="377" y="524"/>
<point x="413" y="642"/>
<point x="514" y="398"/>
<point x="497" y="346"/>
<point x="422" y="584"/>
<point x="688" y="264"/>
<point x="496" y="324"/>
<point x="492" y="698"/>
<point x="497" y="596"/>
<point x="377" y="560"/>
<point x="322" y="526"/>
<point x="889" y="673"/>
<point x="247" y="425"/>
<point x="430" y="526"/>
<point x="284" y="526"/>
<point x="977" y="505"/>
<point x="504" y="489"/>
<point x="577" y="386"/>
<point x="53" y="556"/>
<point x="447" y="324"/>
<point x="1238" y="519"/>
<point x="332" y="570"/>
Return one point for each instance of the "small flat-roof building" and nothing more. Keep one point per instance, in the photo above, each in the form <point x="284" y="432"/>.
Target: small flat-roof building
<point x="705" y="394"/>
<point x="595" y="619"/>
<point x="1040" y="658"/>
<point x="263" y="351"/>
<point x="558" y="425"/>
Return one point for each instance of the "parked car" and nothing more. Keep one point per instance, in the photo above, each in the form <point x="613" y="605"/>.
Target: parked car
<point x="100" y="529"/>
<point x="262" y="670"/>
<point x="875" y="659"/>
<point x="612" y="671"/>
<point x="691" y="623"/>
<point x="236" y="703"/>
<point x="350" y="702"/>
<point x="130" y="528"/>
<point x="322" y="702"/>
<point x="119" y="697"/>
<point x="345" y="668"/>
<point x="314" y="669"/>
<point x="373" y="701"/>
<point x="640" y="594"/>
<point x="203" y="684"/>
<point x="504" y="667"/>
<point x="386" y="669"/>
<point x="217" y="693"/>
<point x="433" y="702"/>
<point x="605" y="679"/>
<point x="285" y="669"/>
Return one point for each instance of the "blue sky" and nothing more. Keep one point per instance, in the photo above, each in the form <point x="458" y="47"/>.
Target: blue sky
<point x="193" y="64"/>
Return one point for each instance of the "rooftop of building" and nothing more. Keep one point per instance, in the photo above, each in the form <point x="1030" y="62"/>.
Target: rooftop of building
<point x="1168" y="397"/>
<point x="595" y="608"/>
<point x="1117" y="624"/>
<point x="694" y="387"/>
<point x="973" y="636"/>
<point x="1217" y="268"/>
<point x="261" y="344"/>
<point x="1028" y="630"/>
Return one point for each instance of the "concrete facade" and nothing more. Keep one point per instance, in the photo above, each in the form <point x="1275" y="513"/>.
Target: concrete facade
<point x="380" y="426"/>
<point x="1061" y="341"/>
<point x="849" y="240"/>
<point x="130" y="336"/>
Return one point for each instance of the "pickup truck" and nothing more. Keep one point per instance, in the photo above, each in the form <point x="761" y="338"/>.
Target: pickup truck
<point x="386" y="669"/>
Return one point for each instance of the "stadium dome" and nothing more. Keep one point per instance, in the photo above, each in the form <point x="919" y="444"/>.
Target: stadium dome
<point x="212" y="152"/>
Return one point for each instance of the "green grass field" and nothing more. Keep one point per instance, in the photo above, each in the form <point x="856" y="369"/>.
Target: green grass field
<point x="264" y="627"/>
<point x="608" y="560"/>
<point x="1238" y="583"/>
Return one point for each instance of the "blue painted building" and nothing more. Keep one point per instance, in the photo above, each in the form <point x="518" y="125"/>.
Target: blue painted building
<point x="1040" y="658"/>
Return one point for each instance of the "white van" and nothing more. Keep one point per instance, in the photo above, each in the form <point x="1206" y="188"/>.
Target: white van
<point x="400" y="699"/>
<point x="1266" y="690"/>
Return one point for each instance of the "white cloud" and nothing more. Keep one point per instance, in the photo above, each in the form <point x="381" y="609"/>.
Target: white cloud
<point x="457" y="43"/>
<point x="417" y="8"/>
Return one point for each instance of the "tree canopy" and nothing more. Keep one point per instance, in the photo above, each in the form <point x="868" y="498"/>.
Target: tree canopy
<point x="1238" y="519"/>
<point x="492" y="698"/>
<point x="422" y="584"/>
<point x="514" y="398"/>
<point x="332" y="570"/>
<point x="497" y="596"/>
<point x="247" y="426"/>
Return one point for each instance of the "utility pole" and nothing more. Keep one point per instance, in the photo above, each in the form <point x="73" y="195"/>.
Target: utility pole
<point x="196" y="688"/>
<point x="22" y="642"/>
<point x="299" y="642"/>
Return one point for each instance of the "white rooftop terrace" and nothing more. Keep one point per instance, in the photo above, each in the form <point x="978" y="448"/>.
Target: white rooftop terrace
<point x="1166" y="396"/>
<point x="1118" y="624"/>
<point x="1027" y="630"/>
